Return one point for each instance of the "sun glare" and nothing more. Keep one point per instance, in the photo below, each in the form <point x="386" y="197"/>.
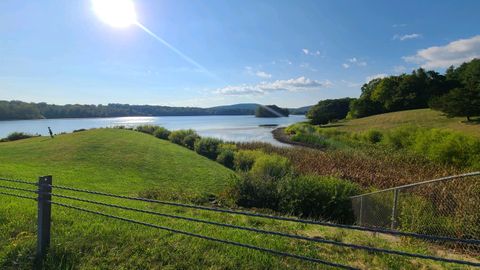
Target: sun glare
<point x="117" y="13"/>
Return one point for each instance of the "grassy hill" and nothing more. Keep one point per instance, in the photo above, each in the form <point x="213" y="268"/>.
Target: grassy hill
<point x="127" y="162"/>
<point x="423" y="118"/>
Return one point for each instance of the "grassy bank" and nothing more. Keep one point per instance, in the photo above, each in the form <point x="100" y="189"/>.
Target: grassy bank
<point x="425" y="118"/>
<point x="131" y="163"/>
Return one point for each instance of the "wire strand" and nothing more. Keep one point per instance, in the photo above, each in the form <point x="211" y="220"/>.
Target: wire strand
<point x="18" y="189"/>
<point x="303" y="221"/>
<point x="18" y="181"/>
<point x="275" y="252"/>
<point x="17" y="195"/>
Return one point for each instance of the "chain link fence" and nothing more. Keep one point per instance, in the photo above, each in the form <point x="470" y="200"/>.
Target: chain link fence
<point x="448" y="206"/>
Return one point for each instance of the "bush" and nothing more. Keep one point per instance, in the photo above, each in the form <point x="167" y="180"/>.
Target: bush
<point x="226" y="158"/>
<point x="245" y="159"/>
<point x="373" y="136"/>
<point x="184" y="137"/>
<point x="273" y="166"/>
<point x="161" y="133"/>
<point x="149" y="129"/>
<point x="306" y="196"/>
<point x="15" y="136"/>
<point x="318" y="196"/>
<point x="256" y="191"/>
<point x="208" y="147"/>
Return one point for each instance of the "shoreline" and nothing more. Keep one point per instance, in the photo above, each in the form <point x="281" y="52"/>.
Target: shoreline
<point x="280" y="136"/>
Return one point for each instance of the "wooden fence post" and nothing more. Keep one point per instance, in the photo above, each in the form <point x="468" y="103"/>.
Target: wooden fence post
<point x="44" y="218"/>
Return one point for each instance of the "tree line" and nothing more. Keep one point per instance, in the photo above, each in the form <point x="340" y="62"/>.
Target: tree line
<point x="18" y="110"/>
<point x="456" y="93"/>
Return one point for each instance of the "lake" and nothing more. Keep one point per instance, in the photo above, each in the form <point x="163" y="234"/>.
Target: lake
<point x="230" y="128"/>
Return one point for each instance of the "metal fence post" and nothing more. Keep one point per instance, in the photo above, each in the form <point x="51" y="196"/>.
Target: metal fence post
<point x="44" y="218"/>
<point x="393" y="225"/>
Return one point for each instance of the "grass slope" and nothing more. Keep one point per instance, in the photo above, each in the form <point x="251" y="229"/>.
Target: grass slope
<point x="423" y="118"/>
<point x="127" y="162"/>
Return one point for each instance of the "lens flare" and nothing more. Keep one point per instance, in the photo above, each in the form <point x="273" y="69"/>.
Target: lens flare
<point x="117" y="13"/>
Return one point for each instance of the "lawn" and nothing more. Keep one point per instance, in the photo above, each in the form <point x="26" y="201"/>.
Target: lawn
<point x="130" y="163"/>
<point x="426" y="118"/>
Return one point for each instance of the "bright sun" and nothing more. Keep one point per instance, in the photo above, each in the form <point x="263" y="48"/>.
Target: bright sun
<point x="117" y="13"/>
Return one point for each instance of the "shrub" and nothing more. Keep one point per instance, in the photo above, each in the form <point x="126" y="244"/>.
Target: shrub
<point x="401" y="137"/>
<point x="317" y="196"/>
<point x="245" y="159"/>
<point x="15" y="136"/>
<point x="161" y="133"/>
<point x="79" y="130"/>
<point x="226" y="158"/>
<point x="184" y="137"/>
<point x="256" y="191"/>
<point x="149" y="129"/>
<point x="373" y="136"/>
<point x="273" y="166"/>
<point x="208" y="147"/>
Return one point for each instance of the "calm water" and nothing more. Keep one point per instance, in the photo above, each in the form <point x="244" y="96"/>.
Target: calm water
<point x="232" y="128"/>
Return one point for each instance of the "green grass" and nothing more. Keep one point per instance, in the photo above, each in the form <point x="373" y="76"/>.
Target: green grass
<point x="127" y="162"/>
<point x="422" y="118"/>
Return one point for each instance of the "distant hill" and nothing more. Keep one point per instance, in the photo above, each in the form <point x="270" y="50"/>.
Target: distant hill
<point x="301" y="110"/>
<point x="18" y="110"/>
<point x="234" y="109"/>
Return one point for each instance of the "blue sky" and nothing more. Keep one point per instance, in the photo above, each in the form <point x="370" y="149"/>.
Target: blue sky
<point x="290" y="53"/>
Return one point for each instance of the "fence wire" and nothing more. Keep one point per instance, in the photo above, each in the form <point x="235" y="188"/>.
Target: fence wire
<point x="271" y="251"/>
<point x="267" y="232"/>
<point x="446" y="207"/>
<point x="297" y="220"/>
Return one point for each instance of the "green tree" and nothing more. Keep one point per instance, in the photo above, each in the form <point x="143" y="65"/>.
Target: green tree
<point x="328" y="110"/>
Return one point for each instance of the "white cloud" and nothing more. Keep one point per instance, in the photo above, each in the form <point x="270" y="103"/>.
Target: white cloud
<point x="406" y="37"/>
<point x="291" y="85"/>
<point x="263" y="74"/>
<point x="354" y="61"/>
<point x="375" y="76"/>
<point x="454" y="53"/>
<point x="313" y="53"/>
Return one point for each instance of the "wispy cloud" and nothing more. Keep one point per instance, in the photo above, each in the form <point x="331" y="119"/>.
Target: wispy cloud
<point x="354" y="62"/>
<point x="406" y="37"/>
<point x="312" y="53"/>
<point x="375" y="76"/>
<point x="290" y="85"/>
<point x="263" y="74"/>
<point x="454" y="53"/>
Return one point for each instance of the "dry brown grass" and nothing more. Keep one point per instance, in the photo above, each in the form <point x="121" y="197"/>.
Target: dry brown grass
<point x="368" y="167"/>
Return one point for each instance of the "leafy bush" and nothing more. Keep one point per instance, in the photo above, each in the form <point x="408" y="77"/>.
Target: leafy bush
<point x="208" y="147"/>
<point x="256" y="191"/>
<point x="161" y="133"/>
<point x="149" y="129"/>
<point x="245" y="159"/>
<point x="226" y="158"/>
<point x="15" y="136"/>
<point x="306" y="196"/>
<point x="184" y="137"/>
<point x="373" y="136"/>
<point x="317" y="196"/>
<point x="273" y="166"/>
